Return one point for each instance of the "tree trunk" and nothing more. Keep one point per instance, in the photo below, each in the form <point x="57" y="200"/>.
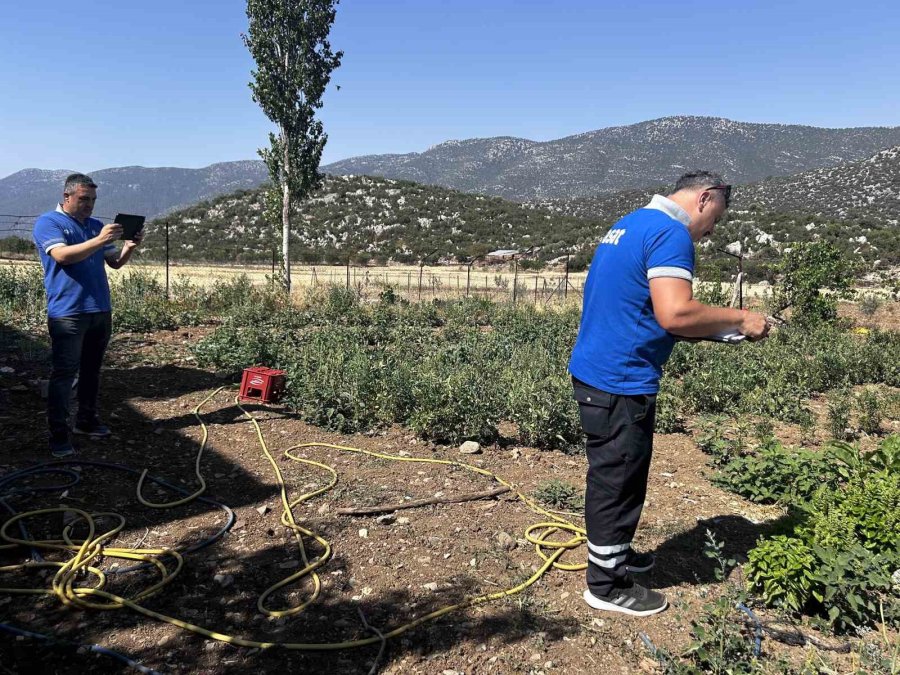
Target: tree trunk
<point x="286" y="216"/>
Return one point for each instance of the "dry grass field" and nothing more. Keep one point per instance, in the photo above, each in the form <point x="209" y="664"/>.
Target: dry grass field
<point x="495" y="281"/>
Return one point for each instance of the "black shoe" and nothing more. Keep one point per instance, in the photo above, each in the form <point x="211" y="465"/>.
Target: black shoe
<point x="639" y="562"/>
<point x="95" y="429"/>
<point x="636" y="601"/>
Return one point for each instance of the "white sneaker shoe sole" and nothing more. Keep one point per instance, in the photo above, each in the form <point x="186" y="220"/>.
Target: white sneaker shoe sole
<point x="598" y="603"/>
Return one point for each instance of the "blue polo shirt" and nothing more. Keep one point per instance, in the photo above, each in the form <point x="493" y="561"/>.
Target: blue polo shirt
<point x="621" y="348"/>
<point x="79" y="288"/>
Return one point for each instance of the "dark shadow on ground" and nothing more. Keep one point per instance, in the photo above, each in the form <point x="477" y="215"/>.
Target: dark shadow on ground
<point x="197" y="598"/>
<point x="681" y="559"/>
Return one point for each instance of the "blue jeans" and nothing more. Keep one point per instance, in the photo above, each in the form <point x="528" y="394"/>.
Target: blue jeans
<point x="78" y="343"/>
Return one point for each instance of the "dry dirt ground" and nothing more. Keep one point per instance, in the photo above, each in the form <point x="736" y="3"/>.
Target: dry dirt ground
<point x="392" y="571"/>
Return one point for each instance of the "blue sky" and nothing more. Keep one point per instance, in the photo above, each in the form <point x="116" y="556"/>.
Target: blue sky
<point x="101" y="84"/>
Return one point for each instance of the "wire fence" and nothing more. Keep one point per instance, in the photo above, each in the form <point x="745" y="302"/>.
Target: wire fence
<point x="504" y="281"/>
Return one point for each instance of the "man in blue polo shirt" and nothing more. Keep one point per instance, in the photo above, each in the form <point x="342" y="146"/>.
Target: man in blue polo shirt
<point x="637" y="298"/>
<point x="74" y="249"/>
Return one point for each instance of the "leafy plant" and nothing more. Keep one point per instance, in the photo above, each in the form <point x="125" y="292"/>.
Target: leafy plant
<point x="806" y="270"/>
<point x="782" y="571"/>
<point x="868" y="405"/>
<point x="839" y="413"/>
<point x="559" y="494"/>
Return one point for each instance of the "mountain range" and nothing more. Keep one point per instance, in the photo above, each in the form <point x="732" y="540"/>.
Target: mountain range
<point x="363" y="218"/>
<point x="625" y="157"/>
<point x="604" y="161"/>
<point x="127" y="189"/>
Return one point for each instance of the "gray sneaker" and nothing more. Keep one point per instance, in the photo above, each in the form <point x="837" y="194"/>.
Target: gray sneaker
<point x="62" y="449"/>
<point x="635" y="600"/>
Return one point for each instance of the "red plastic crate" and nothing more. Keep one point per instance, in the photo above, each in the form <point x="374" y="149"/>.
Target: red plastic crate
<point x="262" y="384"/>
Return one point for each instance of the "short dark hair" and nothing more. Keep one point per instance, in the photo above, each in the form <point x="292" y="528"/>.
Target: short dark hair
<point x="75" y="179"/>
<point x="696" y="180"/>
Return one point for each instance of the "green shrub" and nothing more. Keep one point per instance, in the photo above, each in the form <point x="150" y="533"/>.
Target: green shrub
<point x="23" y="301"/>
<point x="850" y="585"/>
<point x="782" y="571"/>
<point x="868" y="405"/>
<point x="776" y="474"/>
<point x="669" y="416"/>
<point x="139" y="303"/>
<point x="559" y="494"/>
<point x="839" y="561"/>
<point x="839" y="413"/>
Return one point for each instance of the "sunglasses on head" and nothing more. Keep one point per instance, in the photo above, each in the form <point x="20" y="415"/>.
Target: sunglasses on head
<point x="726" y="192"/>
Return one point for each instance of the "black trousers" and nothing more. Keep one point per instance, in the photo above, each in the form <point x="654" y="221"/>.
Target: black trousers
<point x="619" y="431"/>
<point x="78" y="344"/>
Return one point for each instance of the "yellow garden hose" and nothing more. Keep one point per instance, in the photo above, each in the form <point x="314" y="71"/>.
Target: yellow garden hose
<point x="91" y="547"/>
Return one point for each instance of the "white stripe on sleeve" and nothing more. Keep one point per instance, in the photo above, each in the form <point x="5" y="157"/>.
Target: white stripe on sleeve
<point x="674" y="272"/>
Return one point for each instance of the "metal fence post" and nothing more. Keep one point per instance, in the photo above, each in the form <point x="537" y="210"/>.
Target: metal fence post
<point x="167" y="260"/>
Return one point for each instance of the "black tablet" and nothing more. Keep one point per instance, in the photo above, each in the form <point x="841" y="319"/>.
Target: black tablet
<point x="131" y="224"/>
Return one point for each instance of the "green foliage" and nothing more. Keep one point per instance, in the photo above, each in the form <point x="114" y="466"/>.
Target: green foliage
<point x="294" y="60"/>
<point x="844" y="547"/>
<point x="719" y="644"/>
<point x="869" y="407"/>
<point x="775" y="474"/>
<point x="559" y="494"/>
<point x="669" y="415"/>
<point x="782" y="571"/>
<point x="806" y="270"/>
<point x="851" y="583"/>
<point x="23" y="301"/>
<point x="139" y="303"/>
<point x="869" y="304"/>
<point x="540" y="402"/>
<point x="839" y="413"/>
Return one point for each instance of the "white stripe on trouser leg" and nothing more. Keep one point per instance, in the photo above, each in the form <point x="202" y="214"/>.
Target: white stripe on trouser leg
<point x="607" y="563"/>
<point x="609" y="550"/>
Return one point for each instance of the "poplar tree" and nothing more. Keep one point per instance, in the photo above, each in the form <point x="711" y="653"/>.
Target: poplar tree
<point x="288" y="39"/>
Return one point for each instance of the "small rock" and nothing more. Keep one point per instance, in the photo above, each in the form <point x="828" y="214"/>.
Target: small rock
<point x="403" y="521"/>
<point x="598" y="622"/>
<point x="430" y="586"/>
<point x="158" y="431"/>
<point x="505" y="541"/>
<point x="262" y="510"/>
<point x="224" y="580"/>
<point x="470" y="448"/>
<point x="386" y="519"/>
<point x="534" y="657"/>
<point x="364" y="533"/>
<point x="325" y="508"/>
<point x="6" y="370"/>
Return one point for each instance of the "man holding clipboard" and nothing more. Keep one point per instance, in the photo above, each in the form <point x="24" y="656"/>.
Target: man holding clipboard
<point x="638" y="300"/>
<point x="74" y="250"/>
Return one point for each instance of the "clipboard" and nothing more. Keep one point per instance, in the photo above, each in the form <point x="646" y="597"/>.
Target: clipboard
<point x="731" y="337"/>
<point x="131" y="224"/>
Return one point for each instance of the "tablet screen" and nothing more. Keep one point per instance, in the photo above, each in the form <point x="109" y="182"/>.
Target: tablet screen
<point x="131" y="224"/>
